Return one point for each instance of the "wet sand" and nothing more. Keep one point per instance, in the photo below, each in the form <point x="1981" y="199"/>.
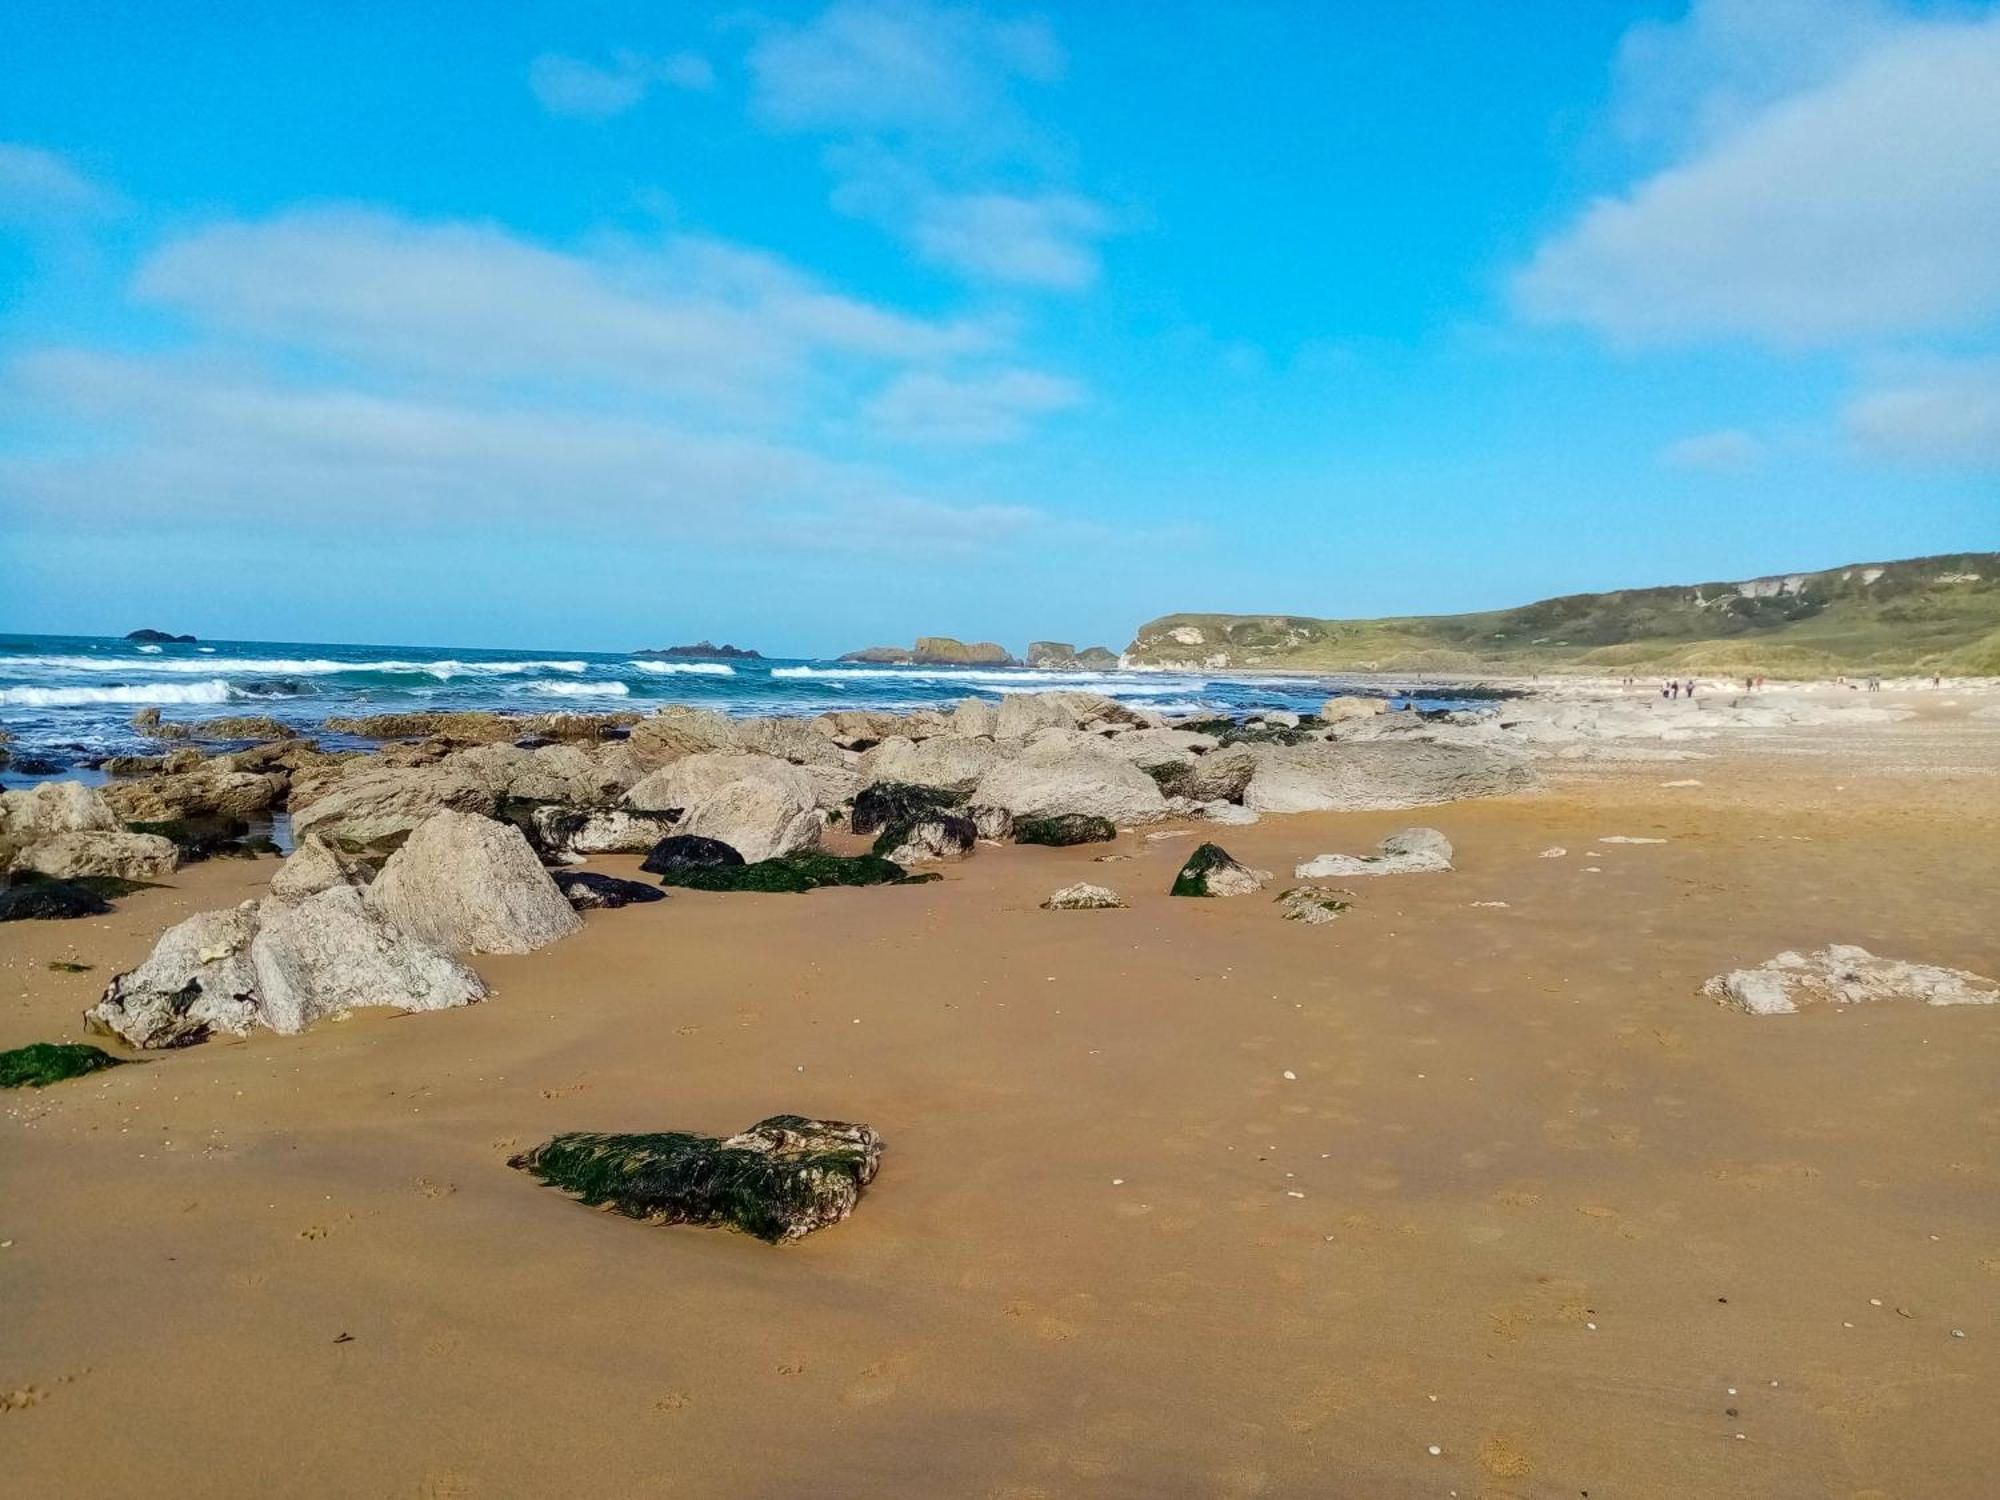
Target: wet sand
<point x="1529" y="1199"/>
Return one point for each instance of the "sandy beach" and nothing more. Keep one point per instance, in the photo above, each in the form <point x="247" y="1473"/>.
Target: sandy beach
<point x="1469" y="1193"/>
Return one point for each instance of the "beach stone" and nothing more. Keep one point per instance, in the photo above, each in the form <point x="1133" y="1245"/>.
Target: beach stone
<point x="199" y="979"/>
<point x="1842" y="974"/>
<point x="1210" y="871"/>
<point x="660" y="739"/>
<point x="587" y="891"/>
<point x="467" y="884"/>
<point x="1228" y="813"/>
<point x="1316" y="776"/>
<point x="129" y="856"/>
<point x="1345" y="706"/>
<point x="975" y="718"/>
<point x="1083" y="896"/>
<point x="857" y="728"/>
<point x="41" y="812"/>
<point x="928" y="838"/>
<point x="572" y="833"/>
<point x="36" y="898"/>
<point x="575" y="776"/>
<point x="1221" y="775"/>
<point x="209" y="791"/>
<point x="992" y="822"/>
<point x="1413" y="851"/>
<point x="1064" y="830"/>
<point x="494" y="766"/>
<point x="375" y="805"/>
<point x="945" y="762"/>
<point x="779" y="1180"/>
<point x="314" y="866"/>
<point x="760" y="806"/>
<point x="1315" y="905"/>
<point x="686" y="852"/>
<point x="1072" y="781"/>
<point x="331" y="954"/>
<point x="789" y="739"/>
<point x="835" y="785"/>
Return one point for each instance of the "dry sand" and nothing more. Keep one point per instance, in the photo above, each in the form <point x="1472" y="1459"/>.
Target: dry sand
<point x="1530" y="1200"/>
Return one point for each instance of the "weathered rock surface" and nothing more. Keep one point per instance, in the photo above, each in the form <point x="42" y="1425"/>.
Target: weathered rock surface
<point x="314" y="866"/>
<point x="1351" y="706"/>
<point x="1315" y="905"/>
<point x="1064" y="830"/>
<point x="948" y="763"/>
<point x="575" y="832"/>
<point x="467" y="884"/>
<point x="686" y="852"/>
<point x="760" y="806"/>
<point x="40" y="812"/>
<point x="587" y="891"/>
<point x="928" y="838"/>
<point x="1378" y="776"/>
<point x="331" y="954"/>
<point x="1210" y="871"/>
<point x="779" y="1180"/>
<point x="375" y="805"/>
<point x="662" y="738"/>
<point x="1413" y="851"/>
<point x="1083" y="896"/>
<point x="207" y="791"/>
<point x="129" y="856"/>
<point x="1072" y="781"/>
<point x="1842" y="974"/>
<point x="198" y="979"/>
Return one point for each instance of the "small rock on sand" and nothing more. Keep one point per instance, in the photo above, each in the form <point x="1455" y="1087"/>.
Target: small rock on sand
<point x="1842" y="974"/>
<point x="1413" y="851"/>
<point x="1083" y="896"/>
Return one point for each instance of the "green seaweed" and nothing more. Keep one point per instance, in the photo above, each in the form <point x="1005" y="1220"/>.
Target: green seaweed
<point x="1172" y="777"/>
<point x="674" y="1177"/>
<point x="64" y="966"/>
<point x="1193" y="878"/>
<point x="40" y="1064"/>
<point x="794" y="872"/>
<point x="890" y="803"/>
<point x="1064" y="829"/>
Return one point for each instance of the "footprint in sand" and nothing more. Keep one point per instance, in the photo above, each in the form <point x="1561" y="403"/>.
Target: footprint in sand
<point x="1054" y="1330"/>
<point x="1503" y="1459"/>
<point x="314" y="1232"/>
<point x="792" y="1367"/>
<point x="877" y="1382"/>
<point x="673" y="1401"/>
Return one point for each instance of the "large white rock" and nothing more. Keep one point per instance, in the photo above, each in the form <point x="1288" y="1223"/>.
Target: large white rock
<point x="1348" y="706"/>
<point x="664" y="737"/>
<point x="313" y="866"/>
<point x="40" y="812"/>
<point x="943" y="761"/>
<point x="1072" y="781"/>
<point x="198" y="979"/>
<point x="467" y="884"/>
<point x="1375" y="776"/>
<point x="330" y="954"/>
<point x="1842" y="974"/>
<point x="375" y="803"/>
<point x="1413" y="851"/>
<point x="129" y="856"/>
<point x="760" y="806"/>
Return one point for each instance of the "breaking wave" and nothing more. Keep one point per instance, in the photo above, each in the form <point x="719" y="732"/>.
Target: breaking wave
<point x="689" y="668"/>
<point x="306" y="667"/>
<point x="137" y="692"/>
<point x="575" y="689"/>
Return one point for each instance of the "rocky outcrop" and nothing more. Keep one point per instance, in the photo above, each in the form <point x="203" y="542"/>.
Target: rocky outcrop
<point x="1063" y="830"/>
<point x="314" y="866"/>
<point x="467" y="884"/>
<point x="473" y="727"/>
<point x="1061" y="656"/>
<point x="945" y="762"/>
<point x="331" y="954"/>
<point x="375" y="805"/>
<point x="227" y="727"/>
<point x="1351" y="706"/>
<point x="1210" y="871"/>
<point x="1083" y="896"/>
<point x="702" y="650"/>
<point x="128" y="856"/>
<point x="153" y="637"/>
<point x="199" y="979"/>
<point x="1413" y="851"/>
<point x="936" y="651"/>
<point x="1842" y="974"/>
<point x="1045" y="785"/>
<point x="40" y="812"/>
<point x="779" y="1180"/>
<point x="208" y="791"/>
<point x="575" y="833"/>
<point x="1377" y="776"/>
<point x="662" y="738"/>
<point x="31" y="897"/>
<point x="760" y="806"/>
<point x="927" y="838"/>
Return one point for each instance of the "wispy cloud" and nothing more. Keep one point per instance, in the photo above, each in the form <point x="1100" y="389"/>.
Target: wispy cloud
<point x="1947" y="416"/>
<point x="1861" y="205"/>
<point x="925" y="407"/>
<point x="40" y="187"/>
<point x="1731" y="452"/>
<point x="597" y="91"/>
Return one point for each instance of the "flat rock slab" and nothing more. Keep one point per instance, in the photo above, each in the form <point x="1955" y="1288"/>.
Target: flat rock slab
<point x="1413" y="851"/>
<point x="1083" y="896"/>
<point x="1841" y="974"/>
<point x="1315" y="905"/>
<point x="779" y="1180"/>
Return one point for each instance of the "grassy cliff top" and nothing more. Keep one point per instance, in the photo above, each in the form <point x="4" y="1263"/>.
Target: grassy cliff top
<point x="1923" y="614"/>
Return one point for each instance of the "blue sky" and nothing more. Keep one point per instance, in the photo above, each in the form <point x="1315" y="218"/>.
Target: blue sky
<point x="816" y="326"/>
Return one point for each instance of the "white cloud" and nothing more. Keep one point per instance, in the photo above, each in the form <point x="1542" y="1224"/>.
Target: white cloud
<point x="1865" y="205"/>
<point x="885" y="65"/>
<point x="1729" y="452"/>
<point x="1948" y="416"/>
<point x="38" y="186"/>
<point x="692" y="318"/>
<point x="593" y="91"/>
<point x="1046" y="241"/>
<point x="925" y="407"/>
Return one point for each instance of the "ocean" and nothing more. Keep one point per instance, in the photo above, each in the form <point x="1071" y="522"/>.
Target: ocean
<point x="66" y="701"/>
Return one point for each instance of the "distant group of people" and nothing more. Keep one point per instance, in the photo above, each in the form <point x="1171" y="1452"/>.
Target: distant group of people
<point x="1674" y="688"/>
<point x="1751" y="684"/>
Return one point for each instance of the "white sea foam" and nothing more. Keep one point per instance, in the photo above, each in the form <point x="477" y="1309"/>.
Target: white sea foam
<point x="150" y="650"/>
<point x="691" y="668"/>
<point x="574" y="689"/>
<point x="1011" y="679"/>
<point x="138" y="692"/>
<point x="285" y="666"/>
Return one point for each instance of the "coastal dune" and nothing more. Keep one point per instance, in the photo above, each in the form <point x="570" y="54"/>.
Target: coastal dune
<point x="1178" y="1199"/>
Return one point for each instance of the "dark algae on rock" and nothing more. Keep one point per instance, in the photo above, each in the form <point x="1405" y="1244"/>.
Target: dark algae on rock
<point x="1207" y="860"/>
<point x="40" y="1064"/>
<point x="779" y="1180"/>
<point x="29" y="897"/>
<point x="793" y="872"/>
<point x="688" y="851"/>
<point x="1063" y="830"/>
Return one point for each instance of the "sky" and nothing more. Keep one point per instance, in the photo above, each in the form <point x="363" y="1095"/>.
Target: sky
<point x="824" y="325"/>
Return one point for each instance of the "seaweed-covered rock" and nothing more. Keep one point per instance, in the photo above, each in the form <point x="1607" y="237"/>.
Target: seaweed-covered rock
<point x="204" y="837"/>
<point x="1211" y="872"/>
<point x="779" y="1180"/>
<point x="129" y="856"/>
<point x="1842" y="974"/>
<point x="1312" y="904"/>
<point x="467" y="884"/>
<point x="1083" y="896"/>
<point x="330" y="954"/>
<point x="1413" y="851"/>
<point x="40" y="1064"/>
<point x="574" y="832"/>
<point x="37" y="898"/>
<point x="587" y="891"/>
<point x="1063" y="830"/>
<point x="991" y="822"/>
<point x="793" y="872"/>
<point x="886" y="803"/>
<point x="688" y="851"/>
<point x="927" y="839"/>
<point x="197" y="980"/>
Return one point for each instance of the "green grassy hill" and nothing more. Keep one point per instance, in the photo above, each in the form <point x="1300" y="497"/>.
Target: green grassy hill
<point x="1923" y="614"/>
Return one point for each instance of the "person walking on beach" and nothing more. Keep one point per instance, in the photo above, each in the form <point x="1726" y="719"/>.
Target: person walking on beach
<point x="1688" y="692"/>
